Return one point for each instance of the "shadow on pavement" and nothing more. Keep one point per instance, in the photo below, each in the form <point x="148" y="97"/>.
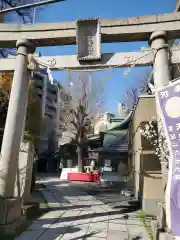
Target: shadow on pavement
<point x="62" y="219"/>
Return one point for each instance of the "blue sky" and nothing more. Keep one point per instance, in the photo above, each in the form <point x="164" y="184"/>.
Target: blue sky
<point x="70" y="10"/>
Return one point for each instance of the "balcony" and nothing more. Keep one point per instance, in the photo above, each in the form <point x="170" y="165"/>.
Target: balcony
<point x="38" y="77"/>
<point x="38" y="91"/>
<point x="52" y="88"/>
<point x="50" y="115"/>
<point x="51" y="107"/>
<point x="51" y="95"/>
<point x="50" y="111"/>
<point x="38" y="83"/>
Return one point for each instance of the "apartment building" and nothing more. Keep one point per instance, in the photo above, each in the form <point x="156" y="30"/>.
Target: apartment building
<point x="49" y="94"/>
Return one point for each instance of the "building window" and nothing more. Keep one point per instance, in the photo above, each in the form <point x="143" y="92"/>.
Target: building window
<point x="107" y="162"/>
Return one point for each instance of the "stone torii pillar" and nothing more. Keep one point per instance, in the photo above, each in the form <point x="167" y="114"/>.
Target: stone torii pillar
<point x="161" y="68"/>
<point x="15" y="120"/>
<point x="162" y="76"/>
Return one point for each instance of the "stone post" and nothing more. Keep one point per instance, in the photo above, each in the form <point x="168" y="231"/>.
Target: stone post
<point x="161" y="66"/>
<point x="15" y="120"/>
<point x="162" y="77"/>
<point x="161" y="70"/>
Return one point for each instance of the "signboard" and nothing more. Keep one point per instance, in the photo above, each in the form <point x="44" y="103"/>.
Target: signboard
<point x="168" y="101"/>
<point x="88" y="39"/>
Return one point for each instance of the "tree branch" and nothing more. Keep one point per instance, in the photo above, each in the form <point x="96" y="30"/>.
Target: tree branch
<point x="85" y="101"/>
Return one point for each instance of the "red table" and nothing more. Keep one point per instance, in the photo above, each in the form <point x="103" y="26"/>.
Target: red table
<point x="84" y="177"/>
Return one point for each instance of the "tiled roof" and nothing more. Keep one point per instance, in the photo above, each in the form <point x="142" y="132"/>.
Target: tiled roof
<point x="115" y="141"/>
<point x="116" y="124"/>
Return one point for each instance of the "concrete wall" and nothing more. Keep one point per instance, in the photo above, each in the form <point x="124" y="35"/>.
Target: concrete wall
<point x="142" y="158"/>
<point x="152" y="192"/>
<point x="135" y="138"/>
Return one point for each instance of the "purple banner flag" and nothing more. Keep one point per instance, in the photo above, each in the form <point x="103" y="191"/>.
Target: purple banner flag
<point x="168" y="100"/>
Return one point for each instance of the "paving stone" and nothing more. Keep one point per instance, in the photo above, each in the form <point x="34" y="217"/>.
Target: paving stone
<point x="95" y="238"/>
<point x="117" y="221"/>
<point x="79" y="235"/>
<point x="82" y="225"/>
<point x="83" y="217"/>
<point x="53" y="233"/>
<point x="87" y="212"/>
<point x="52" y="215"/>
<point x="140" y="237"/>
<point x="56" y="231"/>
<point x="116" y="216"/>
<point x="98" y="209"/>
<point x="100" y="225"/>
<point x="134" y="222"/>
<point x="107" y="208"/>
<point x="117" y="236"/>
<point x="30" y="234"/>
<point x="82" y="221"/>
<point x="117" y="227"/>
<point x="36" y="226"/>
<point x="86" y="198"/>
<point x="85" y="209"/>
<point x="100" y="219"/>
<point x="50" y="198"/>
<point x="98" y="233"/>
<point x="135" y="229"/>
<point x="70" y="213"/>
<point x="61" y="223"/>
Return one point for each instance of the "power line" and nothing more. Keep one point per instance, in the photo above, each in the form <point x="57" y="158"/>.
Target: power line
<point x="30" y="5"/>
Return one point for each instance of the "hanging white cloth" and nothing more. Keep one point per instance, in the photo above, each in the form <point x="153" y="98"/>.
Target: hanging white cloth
<point x="50" y="75"/>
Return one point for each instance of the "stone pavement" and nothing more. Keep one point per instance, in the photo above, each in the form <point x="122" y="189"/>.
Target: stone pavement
<point x="75" y="215"/>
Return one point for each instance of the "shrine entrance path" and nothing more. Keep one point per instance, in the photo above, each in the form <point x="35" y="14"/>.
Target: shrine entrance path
<point x="74" y="214"/>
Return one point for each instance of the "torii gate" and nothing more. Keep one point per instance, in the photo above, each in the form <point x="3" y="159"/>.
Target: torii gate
<point x="157" y="29"/>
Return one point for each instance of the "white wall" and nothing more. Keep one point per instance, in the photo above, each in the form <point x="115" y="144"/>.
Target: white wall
<point x="101" y="124"/>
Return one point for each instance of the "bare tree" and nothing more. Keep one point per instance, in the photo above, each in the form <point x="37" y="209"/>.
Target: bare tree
<point x="130" y="97"/>
<point x="79" y="111"/>
<point x="24" y="15"/>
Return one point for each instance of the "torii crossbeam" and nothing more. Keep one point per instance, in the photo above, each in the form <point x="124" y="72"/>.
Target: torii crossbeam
<point x="112" y="30"/>
<point x="108" y="61"/>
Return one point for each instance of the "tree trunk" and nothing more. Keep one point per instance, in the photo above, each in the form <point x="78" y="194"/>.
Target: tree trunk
<point x="80" y="158"/>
